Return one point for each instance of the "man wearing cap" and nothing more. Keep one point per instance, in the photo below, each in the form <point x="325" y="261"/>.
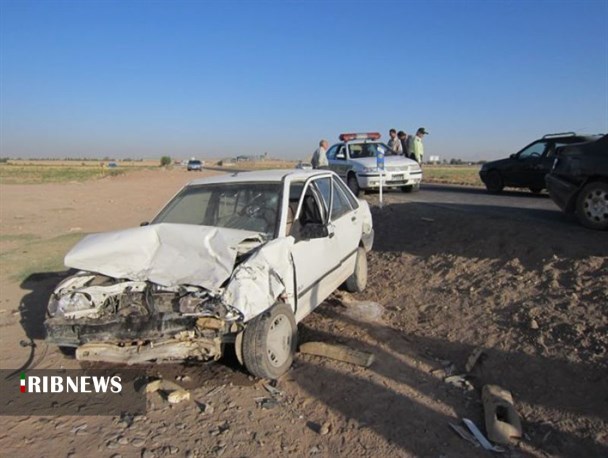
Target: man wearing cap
<point x="417" y="147"/>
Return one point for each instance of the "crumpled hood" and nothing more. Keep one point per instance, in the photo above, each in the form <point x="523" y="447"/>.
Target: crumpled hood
<point x="166" y="254"/>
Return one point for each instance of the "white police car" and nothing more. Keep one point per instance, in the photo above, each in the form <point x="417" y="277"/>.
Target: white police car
<point x="354" y="159"/>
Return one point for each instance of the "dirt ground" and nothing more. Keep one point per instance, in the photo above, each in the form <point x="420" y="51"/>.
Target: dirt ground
<point x="441" y="282"/>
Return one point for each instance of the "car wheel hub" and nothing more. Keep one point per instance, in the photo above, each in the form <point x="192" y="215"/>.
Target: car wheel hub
<point x="278" y="341"/>
<point x="596" y="205"/>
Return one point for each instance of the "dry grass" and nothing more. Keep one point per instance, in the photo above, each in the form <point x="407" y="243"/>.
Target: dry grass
<point x="452" y="174"/>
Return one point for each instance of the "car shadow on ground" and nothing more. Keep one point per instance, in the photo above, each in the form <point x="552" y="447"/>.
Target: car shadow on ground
<point x="509" y="192"/>
<point x="397" y="394"/>
<point x="415" y="228"/>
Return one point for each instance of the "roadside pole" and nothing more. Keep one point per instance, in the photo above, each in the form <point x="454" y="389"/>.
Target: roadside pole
<point x="380" y="167"/>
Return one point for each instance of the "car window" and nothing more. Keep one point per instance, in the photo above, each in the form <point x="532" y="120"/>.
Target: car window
<point x="359" y="150"/>
<point x="351" y="199"/>
<point x="535" y="150"/>
<point x="331" y="153"/>
<point x="246" y="206"/>
<point x="340" y="205"/>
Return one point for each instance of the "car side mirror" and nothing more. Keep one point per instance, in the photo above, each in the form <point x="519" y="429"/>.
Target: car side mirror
<point x="340" y="157"/>
<point x="513" y="156"/>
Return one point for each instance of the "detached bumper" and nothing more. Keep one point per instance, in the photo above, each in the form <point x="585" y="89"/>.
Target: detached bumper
<point x="562" y="192"/>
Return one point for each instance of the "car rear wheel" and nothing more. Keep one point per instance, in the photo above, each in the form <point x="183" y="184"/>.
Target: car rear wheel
<point x="411" y="188"/>
<point x="592" y="205"/>
<point x="353" y="185"/>
<point x="494" y="183"/>
<point x="269" y="342"/>
<point x="357" y="282"/>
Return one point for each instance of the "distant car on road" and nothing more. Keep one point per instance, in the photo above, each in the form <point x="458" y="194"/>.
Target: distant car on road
<point x="194" y="164"/>
<point x="304" y="165"/>
<point x="528" y="167"/>
<point x="578" y="182"/>
<point x="112" y="165"/>
<point x="354" y="159"/>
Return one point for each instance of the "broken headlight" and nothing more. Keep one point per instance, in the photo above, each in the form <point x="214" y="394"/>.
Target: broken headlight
<point x="70" y="305"/>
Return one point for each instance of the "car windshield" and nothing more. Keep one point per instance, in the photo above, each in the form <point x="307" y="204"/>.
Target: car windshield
<point x="246" y="206"/>
<point x="195" y="162"/>
<point x="359" y="150"/>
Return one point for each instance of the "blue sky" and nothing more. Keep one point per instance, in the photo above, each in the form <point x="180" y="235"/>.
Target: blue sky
<point x="209" y="79"/>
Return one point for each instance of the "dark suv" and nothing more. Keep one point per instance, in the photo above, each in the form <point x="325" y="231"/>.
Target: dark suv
<point x="528" y="167"/>
<point x="578" y="182"/>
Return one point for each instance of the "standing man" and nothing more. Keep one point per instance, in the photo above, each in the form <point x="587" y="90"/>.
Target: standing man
<point x="319" y="157"/>
<point x="418" y="148"/>
<point x="394" y="142"/>
<point x="402" y="136"/>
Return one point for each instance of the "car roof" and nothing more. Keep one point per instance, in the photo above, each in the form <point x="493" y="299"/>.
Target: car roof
<point x="276" y="175"/>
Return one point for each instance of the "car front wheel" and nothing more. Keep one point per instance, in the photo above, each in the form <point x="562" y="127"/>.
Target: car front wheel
<point x="357" y="282"/>
<point x="269" y="342"/>
<point x="494" y="183"/>
<point x="353" y="185"/>
<point x="592" y="205"/>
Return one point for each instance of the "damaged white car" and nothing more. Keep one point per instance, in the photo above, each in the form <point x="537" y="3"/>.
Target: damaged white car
<point x="233" y="259"/>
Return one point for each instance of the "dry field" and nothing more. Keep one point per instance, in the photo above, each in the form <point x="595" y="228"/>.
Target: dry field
<point x="534" y="298"/>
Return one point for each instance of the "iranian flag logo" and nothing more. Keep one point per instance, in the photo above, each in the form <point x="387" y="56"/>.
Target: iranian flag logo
<point x="23" y="382"/>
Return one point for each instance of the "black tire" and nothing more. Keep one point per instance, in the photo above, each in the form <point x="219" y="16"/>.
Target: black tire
<point x="269" y="342"/>
<point x="357" y="282"/>
<point x="353" y="184"/>
<point x="536" y="189"/>
<point x="592" y="205"/>
<point x="494" y="183"/>
<point x="411" y="188"/>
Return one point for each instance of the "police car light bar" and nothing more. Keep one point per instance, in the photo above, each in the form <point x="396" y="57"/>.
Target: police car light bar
<point x="360" y="136"/>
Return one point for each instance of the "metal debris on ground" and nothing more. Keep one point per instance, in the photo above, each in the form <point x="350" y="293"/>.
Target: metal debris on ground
<point x="460" y="381"/>
<point x="464" y="434"/>
<point x="266" y="403"/>
<point x="502" y="420"/>
<point x="338" y="352"/>
<point x="473" y="358"/>
<point x="485" y="443"/>
<point x="272" y="390"/>
<point x="174" y="393"/>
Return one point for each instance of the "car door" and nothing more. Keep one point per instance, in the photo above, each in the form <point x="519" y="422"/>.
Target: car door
<point x="337" y="159"/>
<point x="525" y="167"/>
<point x="315" y="253"/>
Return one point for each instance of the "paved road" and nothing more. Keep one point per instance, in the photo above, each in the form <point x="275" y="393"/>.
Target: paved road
<point x="519" y="205"/>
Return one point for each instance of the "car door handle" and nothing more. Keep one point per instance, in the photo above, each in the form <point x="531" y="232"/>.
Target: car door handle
<point x="354" y="218"/>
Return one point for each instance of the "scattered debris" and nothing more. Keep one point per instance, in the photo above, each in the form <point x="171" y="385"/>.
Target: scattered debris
<point x="266" y="403"/>
<point x="473" y="358"/>
<point x="502" y="420"/>
<point x="481" y="438"/>
<point x="338" y="352"/>
<point x="174" y="392"/>
<point x="325" y="429"/>
<point x="362" y="310"/>
<point x="460" y="381"/>
<point x="533" y="324"/>
<point x="272" y="390"/>
<point x="464" y="434"/>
